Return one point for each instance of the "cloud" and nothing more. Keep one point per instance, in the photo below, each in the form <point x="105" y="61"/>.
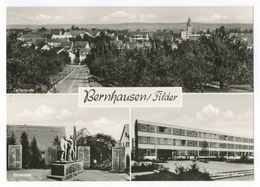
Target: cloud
<point x="63" y="113"/>
<point x="247" y="115"/>
<point x="123" y="17"/>
<point x="211" y="112"/>
<point x="45" y="112"/>
<point x="228" y="114"/>
<point x="213" y="18"/>
<point x="44" y="17"/>
<point x="34" y="19"/>
<point x="208" y="111"/>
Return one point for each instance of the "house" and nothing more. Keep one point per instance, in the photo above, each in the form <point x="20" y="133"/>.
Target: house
<point x="65" y="35"/>
<point x="76" y="33"/>
<point x="46" y="47"/>
<point x="72" y="57"/>
<point x="82" y="48"/>
<point x="140" y="36"/>
<point x="66" y="45"/>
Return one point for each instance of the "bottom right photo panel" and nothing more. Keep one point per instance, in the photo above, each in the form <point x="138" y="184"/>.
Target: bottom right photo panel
<point x="211" y="137"/>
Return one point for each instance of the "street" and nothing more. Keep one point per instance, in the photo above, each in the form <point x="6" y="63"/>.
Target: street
<point x="79" y="77"/>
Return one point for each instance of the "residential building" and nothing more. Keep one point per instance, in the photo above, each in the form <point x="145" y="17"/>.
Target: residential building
<point x="156" y="140"/>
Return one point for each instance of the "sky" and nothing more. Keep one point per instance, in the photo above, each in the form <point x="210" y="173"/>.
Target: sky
<point x="62" y="110"/>
<point x="228" y="113"/>
<point x="108" y="15"/>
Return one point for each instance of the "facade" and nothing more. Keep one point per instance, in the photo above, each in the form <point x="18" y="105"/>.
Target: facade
<point x="44" y="135"/>
<point x="125" y="137"/>
<point x="156" y="140"/>
<point x="121" y="152"/>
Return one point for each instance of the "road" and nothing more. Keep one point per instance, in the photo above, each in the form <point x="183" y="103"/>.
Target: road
<point x="79" y="77"/>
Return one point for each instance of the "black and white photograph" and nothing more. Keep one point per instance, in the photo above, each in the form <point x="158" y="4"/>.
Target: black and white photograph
<point x="58" y="49"/>
<point x="129" y="93"/>
<point x="52" y="140"/>
<point x="210" y="138"/>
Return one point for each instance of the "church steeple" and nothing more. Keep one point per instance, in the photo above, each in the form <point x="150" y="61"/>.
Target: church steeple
<point x="189" y="22"/>
<point x="189" y="27"/>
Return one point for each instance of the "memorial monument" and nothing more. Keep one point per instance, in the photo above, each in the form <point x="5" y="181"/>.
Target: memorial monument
<point x="67" y="165"/>
<point x="14" y="157"/>
<point x="118" y="159"/>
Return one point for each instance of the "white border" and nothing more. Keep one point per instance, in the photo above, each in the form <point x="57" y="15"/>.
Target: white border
<point x="77" y="3"/>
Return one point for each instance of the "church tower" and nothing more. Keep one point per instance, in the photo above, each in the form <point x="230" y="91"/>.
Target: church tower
<point x="189" y="27"/>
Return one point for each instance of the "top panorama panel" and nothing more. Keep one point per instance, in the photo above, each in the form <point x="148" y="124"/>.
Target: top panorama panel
<point x="201" y="49"/>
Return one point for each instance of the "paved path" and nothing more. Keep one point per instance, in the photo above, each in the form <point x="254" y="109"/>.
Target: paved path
<point x="79" y="77"/>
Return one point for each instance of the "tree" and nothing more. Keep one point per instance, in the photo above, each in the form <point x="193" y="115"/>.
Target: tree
<point x="100" y="145"/>
<point x="11" y="140"/>
<point x="25" y="150"/>
<point x="204" y="149"/>
<point x="232" y="59"/>
<point x="35" y="154"/>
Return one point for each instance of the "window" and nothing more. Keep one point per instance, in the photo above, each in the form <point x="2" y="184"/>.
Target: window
<point x="192" y="153"/>
<point x="231" y="146"/>
<point x="142" y="139"/>
<point x="230" y="138"/>
<point x="192" y="133"/>
<point x="160" y="141"/>
<point x="222" y="145"/>
<point x="146" y="128"/>
<point x="176" y="142"/>
<point x="162" y="129"/>
<point x="192" y="143"/>
<point x="180" y="153"/>
<point x="213" y="153"/>
<point x="183" y="142"/>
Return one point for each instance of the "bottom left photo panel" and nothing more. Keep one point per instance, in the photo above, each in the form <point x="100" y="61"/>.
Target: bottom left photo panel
<point x="49" y="138"/>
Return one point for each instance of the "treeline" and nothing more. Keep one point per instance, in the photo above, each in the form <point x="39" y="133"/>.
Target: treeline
<point x="194" y="65"/>
<point x="31" y="154"/>
<point x="29" y="67"/>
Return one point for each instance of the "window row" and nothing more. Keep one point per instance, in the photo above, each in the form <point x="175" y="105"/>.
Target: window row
<point x="190" y="143"/>
<point x="190" y="133"/>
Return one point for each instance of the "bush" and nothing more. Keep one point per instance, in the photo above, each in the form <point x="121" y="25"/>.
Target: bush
<point x="143" y="167"/>
<point x="182" y="174"/>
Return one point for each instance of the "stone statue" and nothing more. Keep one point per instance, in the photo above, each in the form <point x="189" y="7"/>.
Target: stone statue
<point x="68" y="149"/>
<point x="63" y="148"/>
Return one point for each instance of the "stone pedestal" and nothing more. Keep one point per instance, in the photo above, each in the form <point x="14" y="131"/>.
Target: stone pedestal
<point x="65" y="170"/>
